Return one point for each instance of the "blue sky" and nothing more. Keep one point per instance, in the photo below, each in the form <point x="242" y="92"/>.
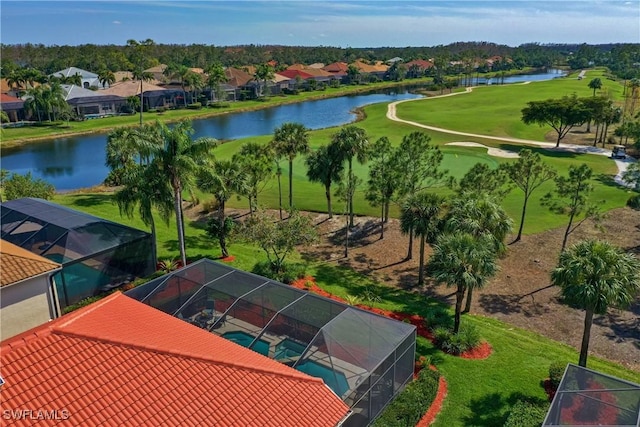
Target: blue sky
<point x="340" y="23"/>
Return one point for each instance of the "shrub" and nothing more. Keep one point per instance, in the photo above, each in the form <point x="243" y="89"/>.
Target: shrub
<point x="288" y="274"/>
<point x="466" y="339"/>
<point x="556" y="371"/>
<point x="18" y="186"/>
<point x="195" y="106"/>
<point x="634" y="202"/>
<point x="526" y="414"/>
<point x="412" y="403"/>
<point x="438" y="316"/>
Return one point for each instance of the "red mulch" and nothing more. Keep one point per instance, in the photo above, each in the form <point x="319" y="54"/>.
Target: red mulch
<point x="480" y="352"/>
<point x="430" y="416"/>
<point x="309" y="284"/>
<point x="230" y="258"/>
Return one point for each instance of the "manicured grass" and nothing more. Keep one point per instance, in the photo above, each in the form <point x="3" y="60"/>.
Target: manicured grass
<point x="480" y="391"/>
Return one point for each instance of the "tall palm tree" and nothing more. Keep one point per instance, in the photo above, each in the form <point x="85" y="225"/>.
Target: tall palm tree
<point x="594" y="275"/>
<point x="215" y="76"/>
<point x="351" y="141"/>
<point x="176" y="156"/>
<point x="263" y="73"/>
<point x="223" y="179"/>
<point x="464" y="261"/>
<point x="289" y="140"/>
<point x="421" y="215"/>
<point x="479" y="216"/>
<point x="325" y="166"/>
<point x="144" y="187"/>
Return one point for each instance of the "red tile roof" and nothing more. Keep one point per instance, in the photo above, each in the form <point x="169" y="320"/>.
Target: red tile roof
<point x="120" y="362"/>
<point x="292" y="74"/>
<point x="8" y="98"/>
<point x="421" y="63"/>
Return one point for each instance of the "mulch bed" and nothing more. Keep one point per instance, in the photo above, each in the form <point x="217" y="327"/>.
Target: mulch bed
<point x="309" y="284"/>
<point x="430" y="416"/>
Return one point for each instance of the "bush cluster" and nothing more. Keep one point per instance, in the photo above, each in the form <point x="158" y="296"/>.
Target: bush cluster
<point x="412" y="403"/>
<point x="195" y="106"/>
<point x="634" y="202"/>
<point x="556" y="371"/>
<point x="290" y="273"/>
<point x="466" y="339"/>
<point x="526" y="414"/>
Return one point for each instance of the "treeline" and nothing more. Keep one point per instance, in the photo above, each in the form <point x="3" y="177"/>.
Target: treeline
<point x="620" y="57"/>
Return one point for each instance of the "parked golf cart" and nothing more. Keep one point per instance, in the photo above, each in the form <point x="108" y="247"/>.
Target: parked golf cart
<point x="619" y="152"/>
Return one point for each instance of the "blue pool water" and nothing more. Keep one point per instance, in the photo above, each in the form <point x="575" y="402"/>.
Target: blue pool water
<point x="287" y="349"/>
<point x="245" y="340"/>
<point x="335" y="380"/>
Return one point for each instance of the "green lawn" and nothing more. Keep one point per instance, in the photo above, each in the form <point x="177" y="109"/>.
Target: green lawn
<point x="480" y="391"/>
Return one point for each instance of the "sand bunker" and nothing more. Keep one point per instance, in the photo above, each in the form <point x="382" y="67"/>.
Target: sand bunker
<point x="495" y="152"/>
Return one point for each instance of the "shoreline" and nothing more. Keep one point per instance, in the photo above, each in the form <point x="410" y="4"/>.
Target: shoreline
<point x="275" y="101"/>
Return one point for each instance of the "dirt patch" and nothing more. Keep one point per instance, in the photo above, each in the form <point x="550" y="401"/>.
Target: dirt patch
<point x="515" y="294"/>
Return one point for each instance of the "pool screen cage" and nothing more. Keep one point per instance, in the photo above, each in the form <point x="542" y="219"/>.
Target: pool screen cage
<point x="366" y="359"/>
<point x="587" y="397"/>
<point x="96" y="255"/>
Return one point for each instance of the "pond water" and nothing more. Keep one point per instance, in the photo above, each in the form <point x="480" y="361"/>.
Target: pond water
<point x="78" y="162"/>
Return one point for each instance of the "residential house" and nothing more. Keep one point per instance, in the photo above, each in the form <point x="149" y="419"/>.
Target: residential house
<point x="378" y="69"/>
<point x="153" y="96"/>
<point x="14" y="107"/>
<point x="90" y="103"/>
<point x="120" y="362"/>
<point x="27" y="290"/>
<point x="241" y="80"/>
<point x="89" y="79"/>
<point x="417" y="67"/>
<point x="338" y="69"/>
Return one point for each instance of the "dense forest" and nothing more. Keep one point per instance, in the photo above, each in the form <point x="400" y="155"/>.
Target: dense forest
<point x="622" y="59"/>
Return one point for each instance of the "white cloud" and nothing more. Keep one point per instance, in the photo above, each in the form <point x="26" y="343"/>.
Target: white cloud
<point x="116" y="22"/>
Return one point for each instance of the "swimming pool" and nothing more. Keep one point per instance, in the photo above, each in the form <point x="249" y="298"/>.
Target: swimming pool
<point x="288" y="349"/>
<point x="334" y="379"/>
<point x="245" y="340"/>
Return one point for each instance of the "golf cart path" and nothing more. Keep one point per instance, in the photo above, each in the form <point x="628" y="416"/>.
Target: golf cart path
<point x="621" y="164"/>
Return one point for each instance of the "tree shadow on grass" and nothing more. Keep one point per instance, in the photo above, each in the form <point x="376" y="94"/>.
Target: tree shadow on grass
<point x="543" y="151"/>
<point x="92" y="200"/>
<point x="190" y="242"/>
<point x="357" y="284"/>
<point x="492" y="409"/>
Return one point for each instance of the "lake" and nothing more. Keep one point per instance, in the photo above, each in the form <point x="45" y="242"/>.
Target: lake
<point x="78" y="162"/>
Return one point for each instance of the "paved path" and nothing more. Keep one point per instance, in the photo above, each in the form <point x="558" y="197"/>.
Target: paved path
<point x="621" y="164"/>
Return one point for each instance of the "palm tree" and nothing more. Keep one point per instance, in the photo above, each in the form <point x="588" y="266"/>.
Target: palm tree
<point x="594" y="275"/>
<point x="595" y="84"/>
<point x="106" y="78"/>
<point x="263" y="73"/>
<point x="464" y="261"/>
<point x="351" y="141"/>
<point x="177" y="157"/>
<point x="35" y="104"/>
<point x="140" y="49"/>
<point x="325" y="166"/>
<point x="289" y="140"/>
<point x="144" y="187"/>
<point x="384" y="178"/>
<point x="479" y="216"/>
<point x="421" y="215"/>
<point x="223" y="179"/>
<point x="216" y="76"/>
